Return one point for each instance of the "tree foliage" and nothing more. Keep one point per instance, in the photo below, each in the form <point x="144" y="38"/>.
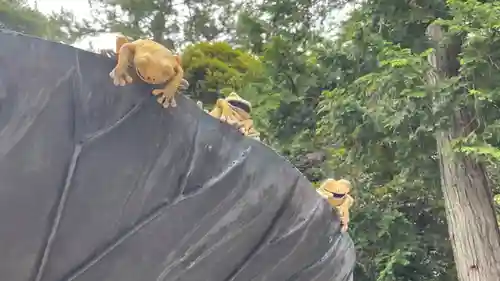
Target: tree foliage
<point x="17" y="15"/>
<point x="212" y="68"/>
<point x="172" y="23"/>
<point x="384" y="117"/>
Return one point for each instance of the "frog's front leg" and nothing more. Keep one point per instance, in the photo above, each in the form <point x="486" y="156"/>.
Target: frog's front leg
<point x="344" y="217"/>
<point x="344" y="212"/>
<point x="246" y="126"/>
<point x="184" y="85"/>
<point x="252" y="133"/>
<point x="120" y="41"/>
<point x="223" y="111"/>
<point x="226" y="112"/>
<point x="120" y="74"/>
<point x="167" y="94"/>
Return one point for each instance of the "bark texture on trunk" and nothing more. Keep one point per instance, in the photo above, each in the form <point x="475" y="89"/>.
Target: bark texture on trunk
<point x="474" y="233"/>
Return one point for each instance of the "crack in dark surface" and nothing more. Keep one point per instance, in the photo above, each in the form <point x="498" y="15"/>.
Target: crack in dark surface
<point x="217" y="178"/>
<point x="102" y="132"/>
<point x="227" y="200"/>
<point x="29" y="119"/>
<point x="234" y="164"/>
<point x="266" y="234"/>
<point x="303" y="236"/>
<point x="117" y="242"/>
<point x="143" y="222"/>
<point x="150" y="169"/>
<point x="59" y="213"/>
<point x="44" y="253"/>
<point x="191" y="160"/>
<point x="331" y="251"/>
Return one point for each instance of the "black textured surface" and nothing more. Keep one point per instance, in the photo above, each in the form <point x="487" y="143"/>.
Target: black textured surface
<point x="100" y="183"/>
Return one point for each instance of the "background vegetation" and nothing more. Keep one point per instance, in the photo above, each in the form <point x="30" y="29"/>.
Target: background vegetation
<point x="354" y="105"/>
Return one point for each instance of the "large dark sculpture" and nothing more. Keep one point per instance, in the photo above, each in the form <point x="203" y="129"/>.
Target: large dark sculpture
<point x="100" y="183"/>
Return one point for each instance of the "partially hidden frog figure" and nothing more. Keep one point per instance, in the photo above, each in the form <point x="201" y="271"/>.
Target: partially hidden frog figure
<point x="336" y="192"/>
<point x="235" y="111"/>
<point x="153" y="63"/>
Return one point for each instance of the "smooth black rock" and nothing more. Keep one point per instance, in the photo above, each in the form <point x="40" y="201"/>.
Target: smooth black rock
<point x="100" y="183"/>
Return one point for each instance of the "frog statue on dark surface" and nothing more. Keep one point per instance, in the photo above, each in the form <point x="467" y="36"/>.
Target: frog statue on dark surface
<point x="235" y="111"/>
<point x="153" y="63"/>
<point x="336" y="192"/>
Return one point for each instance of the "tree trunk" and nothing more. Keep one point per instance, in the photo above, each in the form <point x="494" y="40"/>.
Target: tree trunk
<point x="158" y="26"/>
<point x="474" y="233"/>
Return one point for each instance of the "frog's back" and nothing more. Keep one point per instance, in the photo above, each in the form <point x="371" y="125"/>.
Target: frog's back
<point x="150" y="46"/>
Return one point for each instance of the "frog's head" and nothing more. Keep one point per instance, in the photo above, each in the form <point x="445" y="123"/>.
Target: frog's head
<point x="337" y="189"/>
<point x="149" y="70"/>
<point x="237" y="101"/>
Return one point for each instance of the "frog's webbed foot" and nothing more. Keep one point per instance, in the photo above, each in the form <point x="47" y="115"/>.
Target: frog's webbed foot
<point x="164" y="99"/>
<point x="246" y="127"/>
<point x="229" y="117"/>
<point x="184" y="85"/>
<point x="120" y="77"/>
<point x="242" y="130"/>
<point x="252" y="133"/>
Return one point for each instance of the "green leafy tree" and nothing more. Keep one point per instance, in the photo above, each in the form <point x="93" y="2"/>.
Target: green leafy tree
<point x="214" y="68"/>
<point x="170" y="23"/>
<point x="385" y="118"/>
<point x="17" y="15"/>
<point x="285" y="36"/>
